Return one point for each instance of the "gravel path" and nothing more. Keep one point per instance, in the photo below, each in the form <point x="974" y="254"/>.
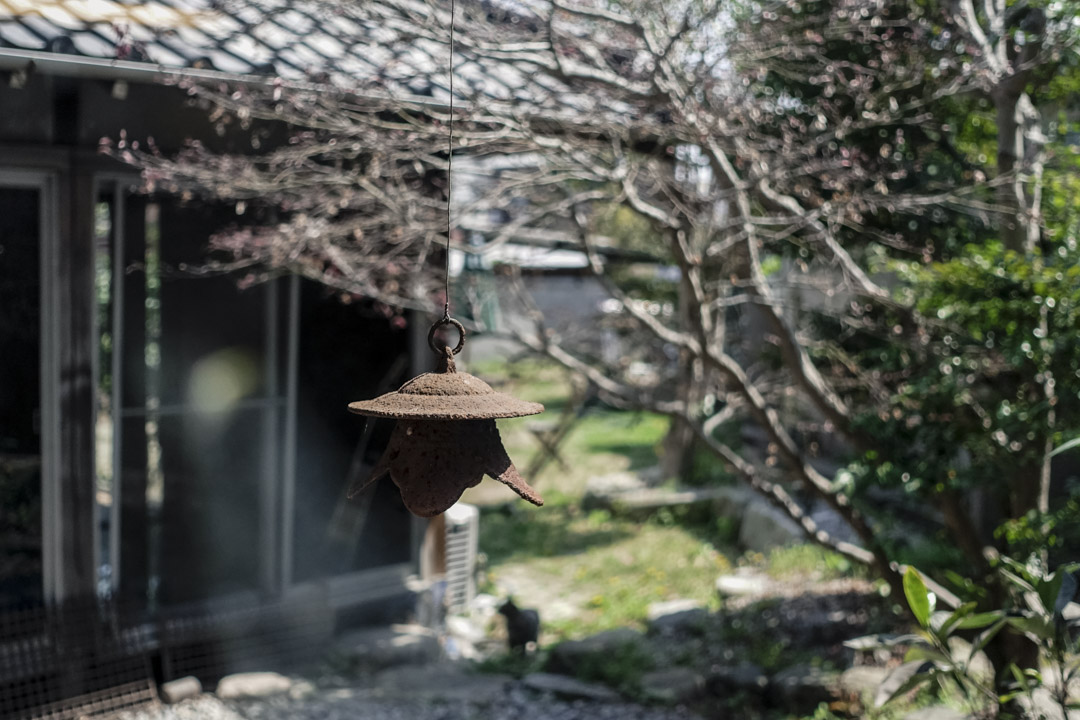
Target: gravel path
<point x="433" y="693"/>
<point x="516" y="704"/>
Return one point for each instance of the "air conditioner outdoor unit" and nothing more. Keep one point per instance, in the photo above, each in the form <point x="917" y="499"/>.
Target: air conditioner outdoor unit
<point x="462" y="538"/>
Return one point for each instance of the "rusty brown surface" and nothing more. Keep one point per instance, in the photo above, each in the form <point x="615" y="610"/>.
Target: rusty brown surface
<point x="446" y="439"/>
<point x="433" y="461"/>
<point x="446" y="396"/>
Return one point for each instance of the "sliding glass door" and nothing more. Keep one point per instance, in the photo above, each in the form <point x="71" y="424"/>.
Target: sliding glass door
<point x="24" y="397"/>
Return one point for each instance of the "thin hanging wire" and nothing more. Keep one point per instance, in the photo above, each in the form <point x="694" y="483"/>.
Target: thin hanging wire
<point x="449" y="171"/>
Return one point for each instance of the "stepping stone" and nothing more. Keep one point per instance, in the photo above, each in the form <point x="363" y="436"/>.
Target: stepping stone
<point x="674" y="685"/>
<point x="741" y="585"/>
<point x="567" y="657"/>
<point x="174" y="691"/>
<point x="445" y="682"/>
<point x="252" y="685"/>
<point x="672" y="616"/>
<point x="568" y="687"/>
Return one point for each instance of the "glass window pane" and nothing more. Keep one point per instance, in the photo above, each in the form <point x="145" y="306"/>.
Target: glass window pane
<point x="20" y="398"/>
<point x="209" y="523"/>
<point x="347" y="352"/>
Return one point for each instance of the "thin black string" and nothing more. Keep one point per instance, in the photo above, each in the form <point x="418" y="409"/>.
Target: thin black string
<point x="449" y="170"/>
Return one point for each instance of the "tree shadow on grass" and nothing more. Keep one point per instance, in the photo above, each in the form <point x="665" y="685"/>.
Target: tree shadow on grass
<point x="548" y="533"/>
<point x="640" y="456"/>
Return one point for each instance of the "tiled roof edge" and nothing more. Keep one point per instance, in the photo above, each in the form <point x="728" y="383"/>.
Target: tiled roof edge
<point x="49" y="63"/>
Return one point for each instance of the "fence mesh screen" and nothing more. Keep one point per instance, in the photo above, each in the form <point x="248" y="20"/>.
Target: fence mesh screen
<point x="79" y="659"/>
<point x="93" y="658"/>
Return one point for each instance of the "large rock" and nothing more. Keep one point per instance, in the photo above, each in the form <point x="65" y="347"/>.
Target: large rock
<point x="673" y="616"/>
<point x="764" y="527"/>
<point x="252" y="685"/>
<point x="707" y="502"/>
<point x="727" y="680"/>
<point x="176" y="690"/>
<point x="628" y="495"/>
<point x="743" y="584"/>
<point x="674" y="685"/>
<point x="827" y="519"/>
<point x="601" y="489"/>
<point x="569" y="657"/>
<point x="802" y="686"/>
<point x="862" y="680"/>
<point x="732" y="500"/>
<point x="382" y="647"/>
<point x="651" y="476"/>
<point x="568" y="687"/>
<point x="443" y="682"/>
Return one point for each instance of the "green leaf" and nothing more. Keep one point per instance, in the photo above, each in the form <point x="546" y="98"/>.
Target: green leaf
<point x="1017" y="567"/>
<point x="771" y="265"/>
<point x="919" y="598"/>
<point x="1065" y="592"/>
<point x="1017" y="580"/>
<point x="1075" y="442"/>
<point x="952" y="621"/>
<point x="925" y="652"/>
<point x="1037" y="626"/>
<point x="1049" y="590"/>
<point x="903" y="679"/>
<point x="985" y="637"/>
<point x="980" y="620"/>
<point x="1019" y="677"/>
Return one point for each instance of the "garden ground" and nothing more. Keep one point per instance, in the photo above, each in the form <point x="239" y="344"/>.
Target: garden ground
<point x="633" y="625"/>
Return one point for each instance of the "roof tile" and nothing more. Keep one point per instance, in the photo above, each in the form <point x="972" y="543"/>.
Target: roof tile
<point x="384" y="49"/>
<point x="15" y="34"/>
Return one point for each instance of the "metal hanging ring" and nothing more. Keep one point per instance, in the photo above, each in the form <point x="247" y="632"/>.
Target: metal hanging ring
<point x="442" y="322"/>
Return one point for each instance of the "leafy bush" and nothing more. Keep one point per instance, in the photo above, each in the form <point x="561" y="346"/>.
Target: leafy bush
<point x="934" y="660"/>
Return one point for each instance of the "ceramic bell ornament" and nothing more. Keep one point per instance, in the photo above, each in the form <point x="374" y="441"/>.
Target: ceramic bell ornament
<point x="445" y="439"/>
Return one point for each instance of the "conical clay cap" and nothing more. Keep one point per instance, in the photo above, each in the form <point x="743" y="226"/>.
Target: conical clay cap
<point x="446" y="396"/>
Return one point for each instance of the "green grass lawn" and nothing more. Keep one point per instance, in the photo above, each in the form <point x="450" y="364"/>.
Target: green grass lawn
<point x="590" y="572"/>
<point x="602" y="440"/>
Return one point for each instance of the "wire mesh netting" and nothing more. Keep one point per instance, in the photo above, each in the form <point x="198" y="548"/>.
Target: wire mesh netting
<point x="93" y="658"/>
<point x="80" y="659"/>
<point x="242" y="637"/>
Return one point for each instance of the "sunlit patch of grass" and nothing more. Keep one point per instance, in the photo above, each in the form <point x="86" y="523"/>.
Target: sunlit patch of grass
<point x="801" y="561"/>
<point x="633" y="436"/>
<point x="612" y="569"/>
<point x="601" y="441"/>
<point x="530" y="379"/>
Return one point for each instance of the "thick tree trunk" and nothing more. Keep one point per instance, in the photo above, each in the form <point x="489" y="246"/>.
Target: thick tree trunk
<point x="1010" y="195"/>
<point x="677" y="456"/>
<point x="677" y="450"/>
<point x="1020" y="140"/>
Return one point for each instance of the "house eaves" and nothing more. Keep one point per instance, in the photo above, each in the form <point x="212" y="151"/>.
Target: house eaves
<point x="380" y="53"/>
<point x="15" y="60"/>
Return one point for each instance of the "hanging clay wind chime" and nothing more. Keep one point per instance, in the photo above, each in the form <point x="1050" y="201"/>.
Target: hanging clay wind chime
<point x="445" y="439"/>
